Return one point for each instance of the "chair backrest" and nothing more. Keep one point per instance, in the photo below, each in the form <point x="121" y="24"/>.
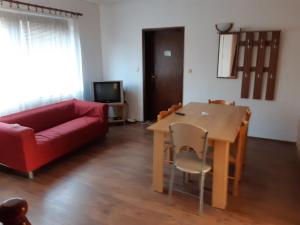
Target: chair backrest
<point x="163" y="114"/>
<point x="175" y="107"/>
<point x="248" y="115"/>
<point x="242" y="138"/>
<point x="188" y="135"/>
<point x="221" y="102"/>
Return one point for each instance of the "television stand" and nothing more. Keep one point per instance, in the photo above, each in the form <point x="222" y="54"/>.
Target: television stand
<point x="122" y="117"/>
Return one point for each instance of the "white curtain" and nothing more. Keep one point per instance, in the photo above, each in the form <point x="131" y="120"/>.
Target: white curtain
<point x="40" y="61"/>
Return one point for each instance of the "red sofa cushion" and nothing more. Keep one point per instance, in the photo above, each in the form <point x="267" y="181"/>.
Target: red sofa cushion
<point x="44" y="117"/>
<point x="57" y="141"/>
<point x="65" y="129"/>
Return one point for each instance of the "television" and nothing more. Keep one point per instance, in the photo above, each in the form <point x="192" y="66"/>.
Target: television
<point x="110" y="92"/>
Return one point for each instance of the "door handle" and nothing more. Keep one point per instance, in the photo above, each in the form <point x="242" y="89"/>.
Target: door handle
<point x="154" y="77"/>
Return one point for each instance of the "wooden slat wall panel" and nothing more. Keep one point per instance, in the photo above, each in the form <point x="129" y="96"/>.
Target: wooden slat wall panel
<point x="261" y="54"/>
<point x="273" y="65"/>
<point x="247" y="65"/>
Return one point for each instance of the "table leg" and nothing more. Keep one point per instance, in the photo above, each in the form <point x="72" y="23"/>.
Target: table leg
<point x="158" y="161"/>
<point x="220" y="174"/>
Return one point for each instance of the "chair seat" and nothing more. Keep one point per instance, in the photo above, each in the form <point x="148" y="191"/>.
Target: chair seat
<point x="188" y="162"/>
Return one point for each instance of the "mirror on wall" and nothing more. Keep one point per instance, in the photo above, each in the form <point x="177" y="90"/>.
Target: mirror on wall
<point x="228" y="49"/>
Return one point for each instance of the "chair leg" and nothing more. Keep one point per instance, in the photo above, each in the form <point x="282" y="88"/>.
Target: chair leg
<point x="171" y="180"/>
<point x="201" y="187"/>
<point x="30" y="175"/>
<point x="171" y="155"/>
<point x="237" y="178"/>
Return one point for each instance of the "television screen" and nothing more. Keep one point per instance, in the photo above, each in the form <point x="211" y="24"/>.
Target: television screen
<point x="108" y="92"/>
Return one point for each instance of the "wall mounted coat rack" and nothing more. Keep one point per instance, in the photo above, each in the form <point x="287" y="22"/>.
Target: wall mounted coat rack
<point x="256" y="57"/>
<point x="265" y="44"/>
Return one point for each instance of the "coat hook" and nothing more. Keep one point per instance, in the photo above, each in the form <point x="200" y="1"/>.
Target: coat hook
<point x="261" y="43"/>
<point x="248" y="43"/>
<point x="275" y="43"/>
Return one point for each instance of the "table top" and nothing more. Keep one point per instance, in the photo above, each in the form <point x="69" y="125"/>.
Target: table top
<point x="221" y="121"/>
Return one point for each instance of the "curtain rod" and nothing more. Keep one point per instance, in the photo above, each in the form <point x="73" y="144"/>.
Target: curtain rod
<point x="49" y="9"/>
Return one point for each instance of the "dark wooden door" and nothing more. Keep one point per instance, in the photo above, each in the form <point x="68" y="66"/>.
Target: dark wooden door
<point x="163" y="66"/>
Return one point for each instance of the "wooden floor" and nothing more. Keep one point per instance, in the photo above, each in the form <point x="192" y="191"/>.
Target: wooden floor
<point x="109" y="182"/>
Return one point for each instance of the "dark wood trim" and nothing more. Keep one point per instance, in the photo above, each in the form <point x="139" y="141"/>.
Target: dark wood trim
<point x="247" y="66"/>
<point x="252" y="69"/>
<point x="263" y="44"/>
<point x="273" y="66"/>
<point x="259" y="75"/>
<point x="254" y="31"/>
<point x="162" y="28"/>
<point x="144" y="61"/>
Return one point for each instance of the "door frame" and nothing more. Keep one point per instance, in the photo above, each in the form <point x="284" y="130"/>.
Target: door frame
<point x="144" y="31"/>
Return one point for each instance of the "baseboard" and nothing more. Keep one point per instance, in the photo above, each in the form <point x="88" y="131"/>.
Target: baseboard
<point x="270" y="139"/>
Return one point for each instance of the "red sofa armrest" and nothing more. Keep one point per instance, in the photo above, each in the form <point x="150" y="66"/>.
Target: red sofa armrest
<point x="17" y="144"/>
<point x="93" y="109"/>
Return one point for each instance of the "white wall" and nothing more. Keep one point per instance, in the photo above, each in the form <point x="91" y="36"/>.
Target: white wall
<point x="89" y="29"/>
<point x="121" y="29"/>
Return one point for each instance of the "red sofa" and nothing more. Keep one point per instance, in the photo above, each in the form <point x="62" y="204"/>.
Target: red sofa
<point x="31" y="139"/>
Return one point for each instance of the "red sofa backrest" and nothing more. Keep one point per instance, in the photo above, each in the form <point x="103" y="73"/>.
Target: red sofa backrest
<point x="44" y="117"/>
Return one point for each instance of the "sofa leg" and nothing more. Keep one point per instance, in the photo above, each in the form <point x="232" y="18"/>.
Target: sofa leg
<point x="30" y="175"/>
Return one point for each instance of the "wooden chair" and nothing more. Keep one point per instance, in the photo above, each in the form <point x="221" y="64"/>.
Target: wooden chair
<point x="221" y="102"/>
<point x="13" y="212"/>
<point x="248" y="115"/>
<point x="237" y="155"/>
<point x="192" y="161"/>
<point x="167" y="142"/>
<point x="174" y="108"/>
<point x="237" y="158"/>
<point x="163" y="114"/>
<point x="247" y="118"/>
<point x="218" y="102"/>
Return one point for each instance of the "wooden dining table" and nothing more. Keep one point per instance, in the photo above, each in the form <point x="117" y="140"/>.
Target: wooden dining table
<point x="222" y="123"/>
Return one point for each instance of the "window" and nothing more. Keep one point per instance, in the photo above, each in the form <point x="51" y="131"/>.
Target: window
<point x="40" y="61"/>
